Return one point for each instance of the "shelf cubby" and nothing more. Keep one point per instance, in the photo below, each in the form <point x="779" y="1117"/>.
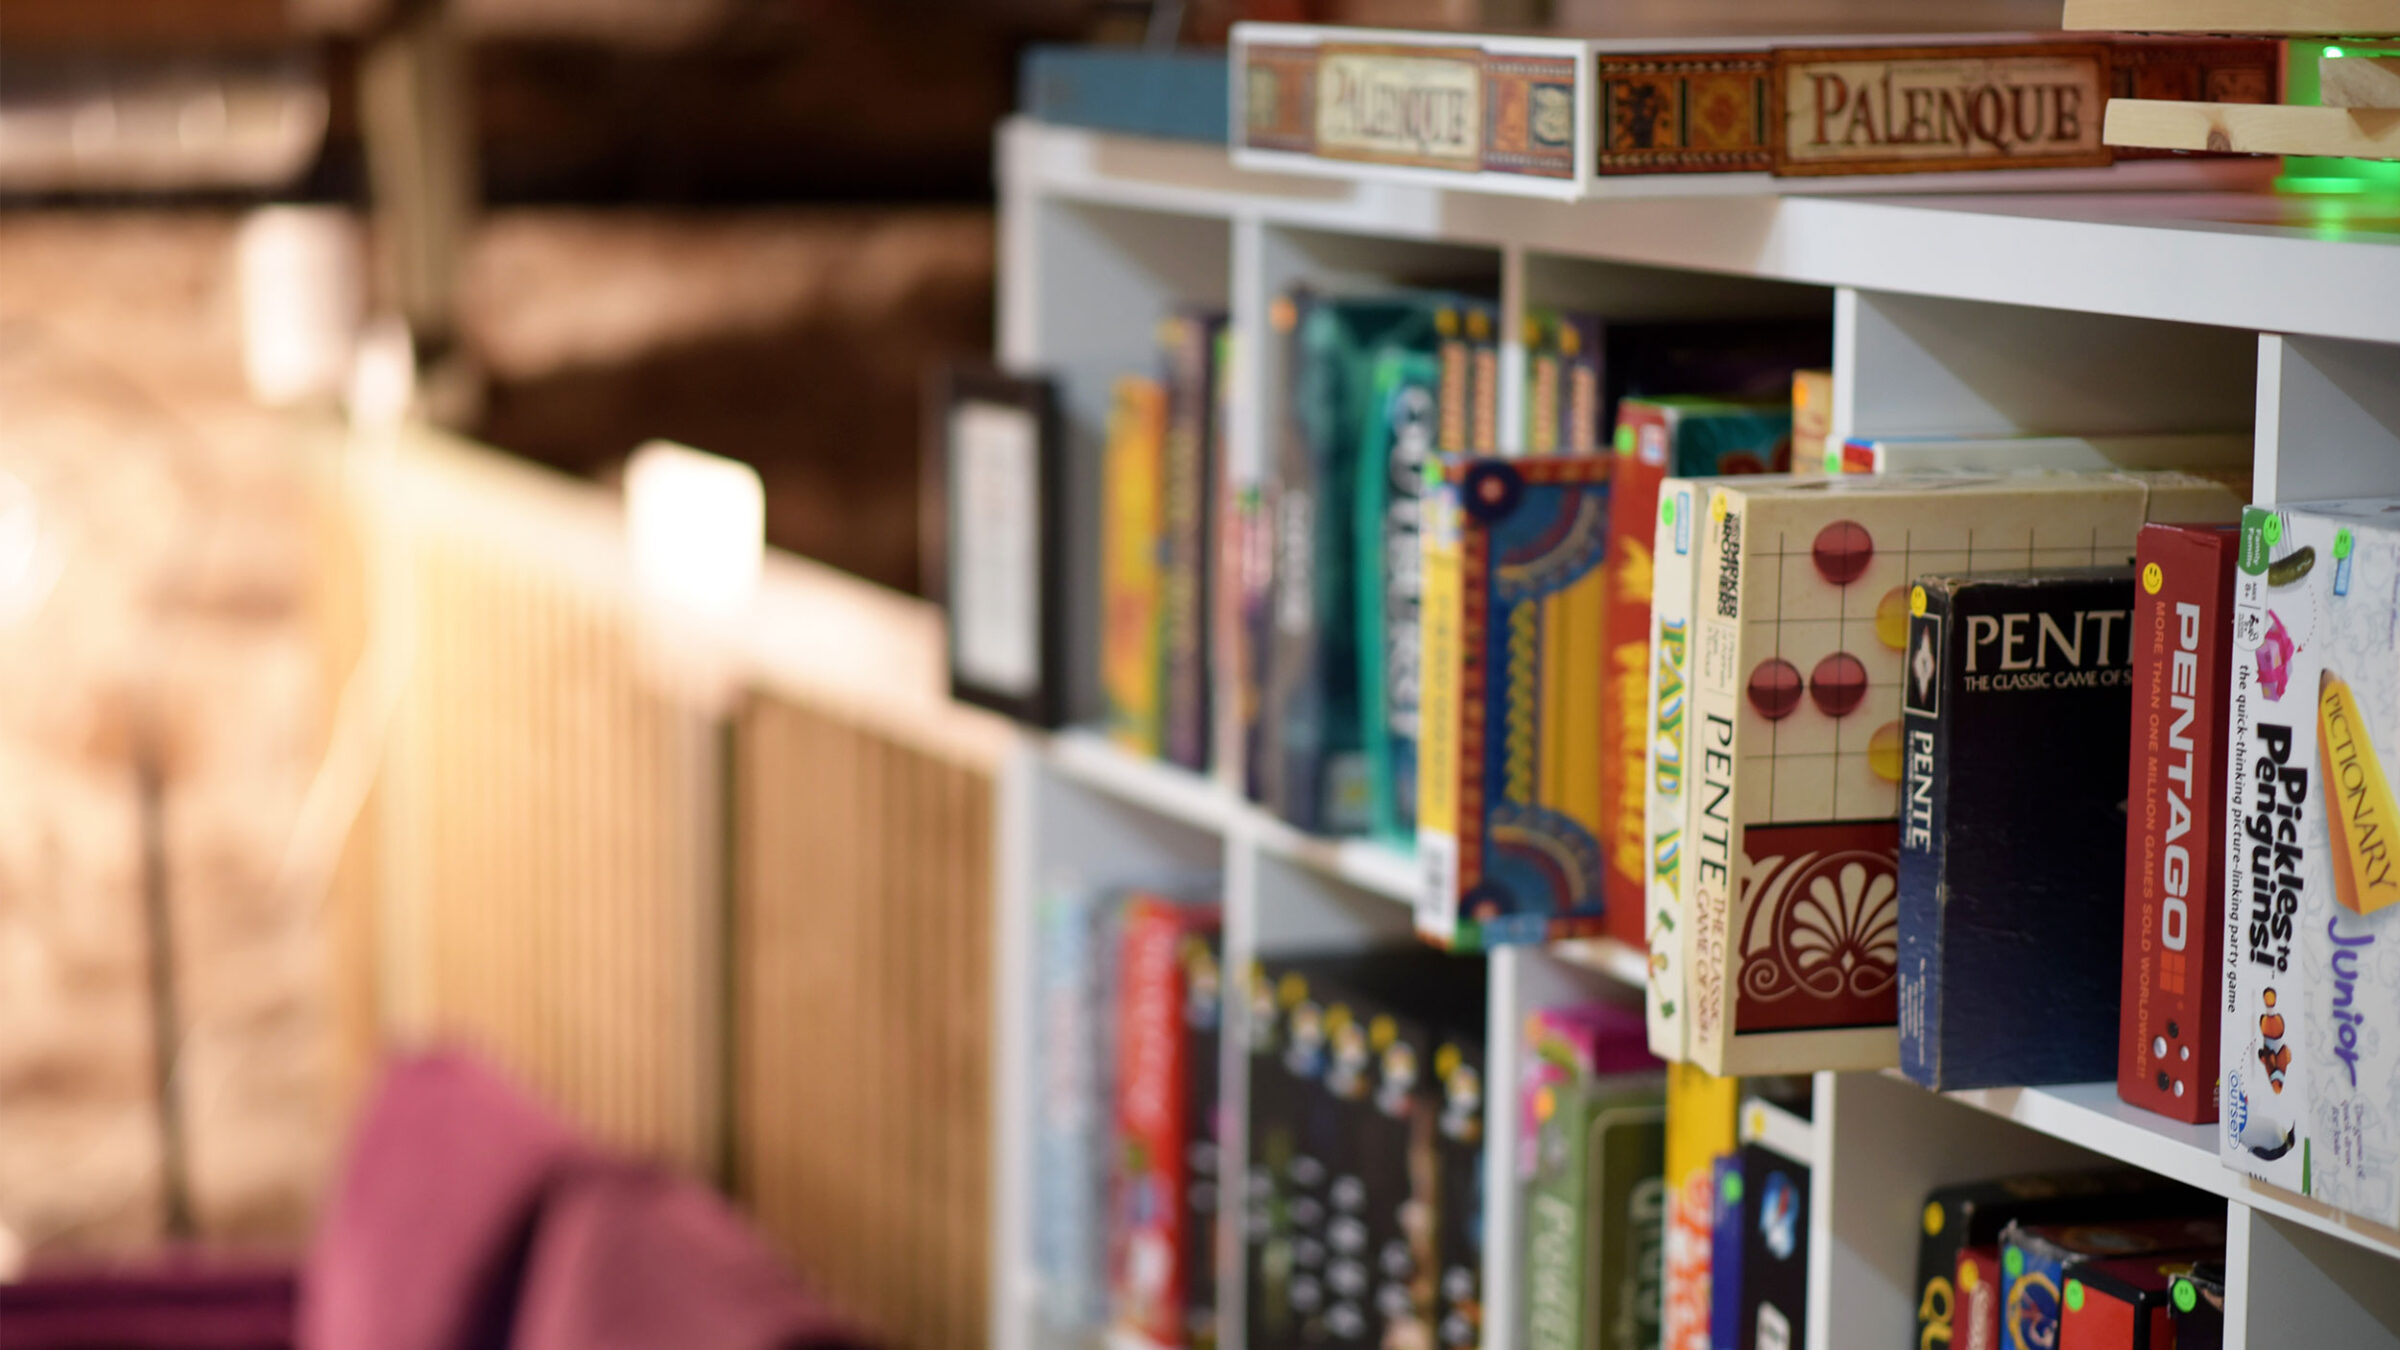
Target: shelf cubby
<point x="1950" y="314"/>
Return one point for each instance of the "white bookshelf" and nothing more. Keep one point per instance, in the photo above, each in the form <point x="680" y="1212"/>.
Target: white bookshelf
<point x="1995" y="313"/>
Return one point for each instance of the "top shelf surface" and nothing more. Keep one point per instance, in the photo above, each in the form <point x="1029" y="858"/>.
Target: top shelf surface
<point x="2322" y="266"/>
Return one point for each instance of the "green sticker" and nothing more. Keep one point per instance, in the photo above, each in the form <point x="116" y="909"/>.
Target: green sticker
<point x="1624" y="438"/>
<point x="2186" y="1297"/>
<point x="2074" y="1296"/>
<point x="2341" y="543"/>
<point x="1666" y="511"/>
<point x="1833" y="459"/>
<point x="1733" y="1188"/>
<point x="2012" y="1262"/>
<point x="2273" y="529"/>
<point x="2253" y="557"/>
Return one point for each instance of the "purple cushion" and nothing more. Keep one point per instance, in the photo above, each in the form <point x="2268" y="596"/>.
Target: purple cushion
<point x="179" y="1303"/>
<point x="631" y="1258"/>
<point x="424" y="1240"/>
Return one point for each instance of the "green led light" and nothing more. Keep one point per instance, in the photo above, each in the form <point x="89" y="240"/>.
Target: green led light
<point x="2334" y="52"/>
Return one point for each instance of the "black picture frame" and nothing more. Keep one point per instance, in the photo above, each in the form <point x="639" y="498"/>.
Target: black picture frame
<point x="999" y="577"/>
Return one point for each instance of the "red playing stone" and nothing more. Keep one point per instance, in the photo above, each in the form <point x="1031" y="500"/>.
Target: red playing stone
<point x="1775" y="688"/>
<point x="1838" y="685"/>
<point x="1842" y="552"/>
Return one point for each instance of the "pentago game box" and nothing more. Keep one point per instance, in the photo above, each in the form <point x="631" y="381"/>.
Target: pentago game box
<point x="2310" y="1075"/>
<point x="1509" y="818"/>
<point x="1792" y="942"/>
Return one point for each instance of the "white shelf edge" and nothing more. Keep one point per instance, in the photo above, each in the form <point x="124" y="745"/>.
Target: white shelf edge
<point x="2101" y="252"/>
<point x="1090" y="758"/>
<point x="1376" y="868"/>
<point x="1607" y="956"/>
<point x="2091" y="1116"/>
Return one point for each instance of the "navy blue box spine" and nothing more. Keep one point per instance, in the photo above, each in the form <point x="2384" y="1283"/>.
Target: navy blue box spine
<point x="1924" y="832"/>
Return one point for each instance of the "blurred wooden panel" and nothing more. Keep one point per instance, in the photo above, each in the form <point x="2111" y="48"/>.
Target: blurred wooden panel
<point x="862" y="997"/>
<point x="552" y="832"/>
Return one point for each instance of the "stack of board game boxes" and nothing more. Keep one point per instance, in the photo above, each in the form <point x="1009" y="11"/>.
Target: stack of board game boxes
<point x="2080" y="1260"/>
<point x="1127" y="991"/>
<point x="1362" y="1212"/>
<point x="1162" y="472"/>
<point x="1646" y="1224"/>
<point x="1826" y="892"/>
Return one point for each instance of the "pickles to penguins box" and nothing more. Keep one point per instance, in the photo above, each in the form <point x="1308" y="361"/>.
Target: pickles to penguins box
<point x="2310" y="1062"/>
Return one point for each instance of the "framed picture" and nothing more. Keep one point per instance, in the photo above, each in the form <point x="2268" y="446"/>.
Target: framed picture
<point x="1001" y="571"/>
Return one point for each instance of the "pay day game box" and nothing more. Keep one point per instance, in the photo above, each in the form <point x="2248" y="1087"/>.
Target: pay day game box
<point x="2310" y="1074"/>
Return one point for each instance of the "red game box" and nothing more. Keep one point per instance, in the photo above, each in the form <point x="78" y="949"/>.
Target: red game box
<point x="2174" y="826"/>
<point x="2121" y="1303"/>
<point x="1154" y="1232"/>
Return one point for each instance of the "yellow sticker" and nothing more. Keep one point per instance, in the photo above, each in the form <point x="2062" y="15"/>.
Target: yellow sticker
<point x="1969" y="1277"/>
<point x="2153" y="577"/>
<point x="1933" y="1220"/>
<point x="1916" y="601"/>
<point x="1758" y="1121"/>
<point x="1716" y="508"/>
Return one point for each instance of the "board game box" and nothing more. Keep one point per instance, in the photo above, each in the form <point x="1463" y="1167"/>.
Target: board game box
<point x="1812" y="420"/>
<point x="2309" y="1075"/>
<point x="2168" y="1007"/>
<point x="1132" y="473"/>
<point x="1188" y="343"/>
<point x="1725" y="1256"/>
<point x="1313" y="769"/>
<point x="1701" y="1128"/>
<point x="2209" y="452"/>
<point x="1656" y="438"/>
<point x="2010" y="897"/>
<point x="1405" y="398"/>
<point x="2035" y="1260"/>
<point x="1074" y="1126"/>
<point x="1674" y="553"/>
<point x="1364" y="1209"/>
<point x="1774" y="1270"/>
<point x="1165" y="1119"/>
<point x="1971" y="1216"/>
<point x="1594" y="1099"/>
<point x="2122" y="1302"/>
<point x="1509" y="823"/>
<point x="1792" y="829"/>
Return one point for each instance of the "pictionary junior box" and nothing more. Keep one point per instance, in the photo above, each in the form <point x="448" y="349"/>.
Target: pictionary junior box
<point x="2174" y="958"/>
<point x="1508" y="793"/>
<point x="1792" y="931"/>
<point x="2310" y="1073"/>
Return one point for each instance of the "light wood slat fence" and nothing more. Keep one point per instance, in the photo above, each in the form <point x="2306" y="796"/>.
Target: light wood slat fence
<point x="751" y="943"/>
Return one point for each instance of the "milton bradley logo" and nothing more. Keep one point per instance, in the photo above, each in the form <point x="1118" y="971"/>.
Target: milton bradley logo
<point x="1729" y="543"/>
